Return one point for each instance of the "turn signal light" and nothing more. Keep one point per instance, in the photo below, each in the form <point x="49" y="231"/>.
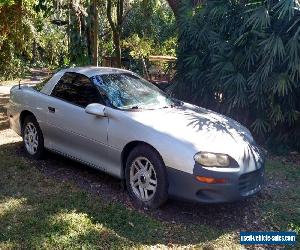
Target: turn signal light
<point x="210" y="180"/>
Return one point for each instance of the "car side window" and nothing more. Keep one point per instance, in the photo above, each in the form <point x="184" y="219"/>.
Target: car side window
<point x="76" y="89"/>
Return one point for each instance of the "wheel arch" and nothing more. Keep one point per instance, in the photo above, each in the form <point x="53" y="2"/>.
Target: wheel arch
<point x="129" y="147"/>
<point x="23" y="115"/>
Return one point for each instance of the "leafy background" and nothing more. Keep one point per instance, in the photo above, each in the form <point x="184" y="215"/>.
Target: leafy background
<point x="241" y="58"/>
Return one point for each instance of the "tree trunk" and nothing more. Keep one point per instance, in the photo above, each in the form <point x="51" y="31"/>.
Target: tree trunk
<point x="69" y="29"/>
<point x="95" y="33"/>
<point x="89" y="40"/>
<point x="118" y="52"/>
<point x="116" y="28"/>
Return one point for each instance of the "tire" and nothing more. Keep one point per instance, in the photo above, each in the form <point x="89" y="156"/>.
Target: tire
<point x="33" y="139"/>
<point x="146" y="177"/>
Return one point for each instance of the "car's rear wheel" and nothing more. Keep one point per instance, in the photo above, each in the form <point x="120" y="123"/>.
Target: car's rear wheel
<point x="32" y="138"/>
<point x="146" y="177"/>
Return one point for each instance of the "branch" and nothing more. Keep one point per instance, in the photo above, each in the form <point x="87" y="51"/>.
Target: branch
<point x="59" y="22"/>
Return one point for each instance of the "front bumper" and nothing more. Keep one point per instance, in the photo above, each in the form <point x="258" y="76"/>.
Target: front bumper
<point x="238" y="185"/>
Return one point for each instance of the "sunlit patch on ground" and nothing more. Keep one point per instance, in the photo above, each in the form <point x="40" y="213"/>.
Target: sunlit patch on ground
<point x="8" y="205"/>
<point x="9" y="136"/>
<point x="72" y="229"/>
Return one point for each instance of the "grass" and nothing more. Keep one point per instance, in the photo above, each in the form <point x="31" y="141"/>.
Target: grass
<point x="41" y="213"/>
<point x="282" y="209"/>
<point x="38" y="212"/>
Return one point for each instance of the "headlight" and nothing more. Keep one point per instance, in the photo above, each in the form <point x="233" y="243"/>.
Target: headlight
<point x="212" y="159"/>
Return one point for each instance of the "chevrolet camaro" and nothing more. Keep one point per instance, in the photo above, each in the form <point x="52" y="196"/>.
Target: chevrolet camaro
<point x="117" y="122"/>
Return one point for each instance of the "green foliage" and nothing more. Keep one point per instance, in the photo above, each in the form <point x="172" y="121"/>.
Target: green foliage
<point x="49" y="47"/>
<point x="139" y="47"/>
<point x="64" y="30"/>
<point x="6" y="2"/>
<point x="150" y="28"/>
<point x="244" y="60"/>
<point x="15" y="30"/>
<point x="27" y="39"/>
<point x="152" y="18"/>
<point x="37" y="33"/>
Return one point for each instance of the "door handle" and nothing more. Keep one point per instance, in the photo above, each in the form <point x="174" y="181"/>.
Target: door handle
<point x="51" y="110"/>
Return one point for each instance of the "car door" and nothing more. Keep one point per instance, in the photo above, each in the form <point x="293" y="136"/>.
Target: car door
<point x="72" y="131"/>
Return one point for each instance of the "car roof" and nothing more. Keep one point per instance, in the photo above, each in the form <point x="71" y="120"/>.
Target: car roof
<point x="88" y="71"/>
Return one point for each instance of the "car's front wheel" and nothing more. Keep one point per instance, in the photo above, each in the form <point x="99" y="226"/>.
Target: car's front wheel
<point x="32" y="137"/>
<point x="146" y="177"/>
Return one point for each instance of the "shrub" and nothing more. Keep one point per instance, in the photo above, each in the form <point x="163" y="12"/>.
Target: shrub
<point x="243" y="59"/>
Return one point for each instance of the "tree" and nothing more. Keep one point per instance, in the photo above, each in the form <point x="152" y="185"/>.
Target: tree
<point x="67" y="32"/>
<point x="174" y="4"/>
<point x="244" y="61"/>
<point x="177" y="4"/>
<point x="16" y="36"/>
<point x="80" y="17"/>
<point x="116" y="7"/>
<point x="117" y="10"/>
<point x="93" y="32"/>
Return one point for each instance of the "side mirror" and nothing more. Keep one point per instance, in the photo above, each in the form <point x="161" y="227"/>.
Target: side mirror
<point x="95" y="109"/>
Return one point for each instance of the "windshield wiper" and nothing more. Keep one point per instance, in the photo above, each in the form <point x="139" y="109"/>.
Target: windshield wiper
<point x="169" y="106"/>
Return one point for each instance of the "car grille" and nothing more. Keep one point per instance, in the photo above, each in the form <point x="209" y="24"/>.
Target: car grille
<point x="251" y="183"/>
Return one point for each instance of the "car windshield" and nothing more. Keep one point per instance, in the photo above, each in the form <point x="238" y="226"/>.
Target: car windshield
<point x="127" y="91"/>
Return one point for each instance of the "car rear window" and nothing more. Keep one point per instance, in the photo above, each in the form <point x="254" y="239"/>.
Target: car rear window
<point x="39" y="86"/>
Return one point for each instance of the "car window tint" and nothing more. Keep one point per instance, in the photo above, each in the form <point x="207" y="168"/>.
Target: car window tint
<point x="76" y="89"/>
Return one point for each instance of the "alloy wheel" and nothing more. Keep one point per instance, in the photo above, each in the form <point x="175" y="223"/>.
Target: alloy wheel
<point x="31" y="138"/>
<point x="143" y="179"/>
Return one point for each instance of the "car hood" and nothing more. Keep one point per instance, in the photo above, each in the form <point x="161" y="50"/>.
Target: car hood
<point x="204" y="129"/>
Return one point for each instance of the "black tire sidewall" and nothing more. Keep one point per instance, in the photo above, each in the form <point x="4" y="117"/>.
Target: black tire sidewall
<point x="40" y="149"/>
<point x="161" y="194"/>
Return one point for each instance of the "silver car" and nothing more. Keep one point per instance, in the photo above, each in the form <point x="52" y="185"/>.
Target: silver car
<point x="117" y="122"/>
